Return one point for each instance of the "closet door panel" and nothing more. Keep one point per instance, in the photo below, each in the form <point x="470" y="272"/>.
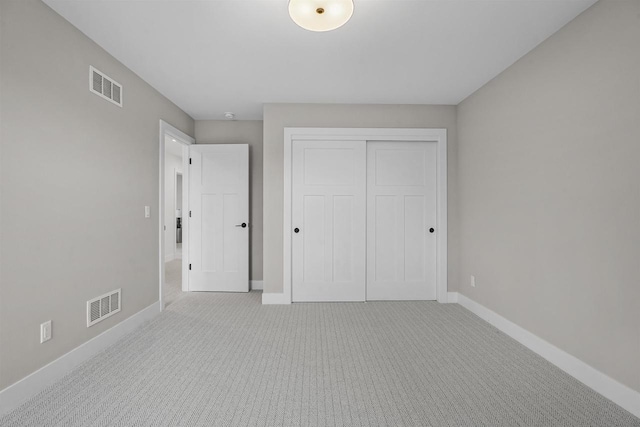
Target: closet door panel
<point x="328" y="221"/>
<point x="401" y="210"/>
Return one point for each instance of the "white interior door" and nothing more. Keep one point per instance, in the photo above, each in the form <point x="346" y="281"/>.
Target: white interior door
<point x="401" y="220"/>
<point x="219" y="222"/>
<point x="328" y="220"/>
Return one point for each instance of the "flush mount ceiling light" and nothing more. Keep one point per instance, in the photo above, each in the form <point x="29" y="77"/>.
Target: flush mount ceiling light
<point x="320" y="15"/>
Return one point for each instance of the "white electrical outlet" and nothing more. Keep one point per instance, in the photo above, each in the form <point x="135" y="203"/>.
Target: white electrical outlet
<point x="473" y="281"/>
<point x="147" y="211"/>
<point x="45" y="331"/>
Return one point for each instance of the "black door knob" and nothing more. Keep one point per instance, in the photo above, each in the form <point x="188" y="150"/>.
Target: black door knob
<point x="243" y="225"/>
<point x="296" y="230"/>
<point x="431" y="230"/>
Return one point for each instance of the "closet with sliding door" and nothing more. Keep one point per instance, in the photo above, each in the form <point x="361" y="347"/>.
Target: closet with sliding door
<point x="365" y="215"/>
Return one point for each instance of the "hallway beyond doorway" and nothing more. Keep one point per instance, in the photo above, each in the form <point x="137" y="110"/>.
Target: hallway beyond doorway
<point x="172" y="281"/>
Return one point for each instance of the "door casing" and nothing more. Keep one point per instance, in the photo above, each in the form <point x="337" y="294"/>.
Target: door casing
<point x="439" y="136"/>
<point x="186" y="140"/>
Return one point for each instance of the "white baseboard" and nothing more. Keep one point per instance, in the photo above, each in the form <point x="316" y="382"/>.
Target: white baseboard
<point x="257" y="285"/>
<point x="273" y="299"/>
<point x="19" y="392"/>
<point x="619" y="393"/>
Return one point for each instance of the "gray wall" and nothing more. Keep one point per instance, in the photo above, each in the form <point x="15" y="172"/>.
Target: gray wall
<point x="550" y="190"/>
<point x="279" y="116"/>
<point x="76" y="173"/>
<point x="242" y="132"/>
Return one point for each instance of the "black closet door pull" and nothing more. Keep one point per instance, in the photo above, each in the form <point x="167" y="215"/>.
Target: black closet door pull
<point x="431" y="230"/>
<point x="296" y="230"/>
<point x="243" y="225"/>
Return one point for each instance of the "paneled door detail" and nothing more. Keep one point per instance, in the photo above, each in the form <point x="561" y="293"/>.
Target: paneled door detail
<point x="401" y="220"/>
<point x="328" y="220"/>
<point x="219" y="218"/>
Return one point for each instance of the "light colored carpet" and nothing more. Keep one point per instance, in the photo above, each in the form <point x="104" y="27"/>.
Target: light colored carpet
<point x="226" y="360"/>
<point x="172" y="281"/>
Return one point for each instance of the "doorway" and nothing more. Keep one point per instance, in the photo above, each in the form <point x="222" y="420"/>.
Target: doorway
<point x="179" y="217"/>
<point x="173" y="161"/>
<point x="174" y="202"/>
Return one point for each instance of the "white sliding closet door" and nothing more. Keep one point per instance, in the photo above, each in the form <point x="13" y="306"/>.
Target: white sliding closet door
<point x="401" y="220"/>
<point x="328" y="220"/>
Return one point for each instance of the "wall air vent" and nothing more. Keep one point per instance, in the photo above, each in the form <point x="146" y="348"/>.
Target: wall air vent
<point x="103" y="306"/>
<point x="105" y="87"/>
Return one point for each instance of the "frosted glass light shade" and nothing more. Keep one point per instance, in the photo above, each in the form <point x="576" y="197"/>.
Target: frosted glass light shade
<point x="320" y="15"/>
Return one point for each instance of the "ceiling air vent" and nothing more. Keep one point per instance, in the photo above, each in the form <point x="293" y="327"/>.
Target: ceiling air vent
<point x="104" y="86"/>
<point x="102" y="307"/>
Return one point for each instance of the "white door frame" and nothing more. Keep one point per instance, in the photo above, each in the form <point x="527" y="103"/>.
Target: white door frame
<point x="186" y="141"/>
<point x="438" y="136"/>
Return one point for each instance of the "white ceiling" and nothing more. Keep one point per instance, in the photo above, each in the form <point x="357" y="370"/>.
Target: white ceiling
<point x="212" y="56"/>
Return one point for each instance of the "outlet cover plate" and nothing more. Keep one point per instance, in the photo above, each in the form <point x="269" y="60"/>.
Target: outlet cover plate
<point x="45" y="331"/>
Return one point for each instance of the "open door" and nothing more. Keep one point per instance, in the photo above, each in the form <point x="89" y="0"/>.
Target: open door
<point x="219" y="218"/>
